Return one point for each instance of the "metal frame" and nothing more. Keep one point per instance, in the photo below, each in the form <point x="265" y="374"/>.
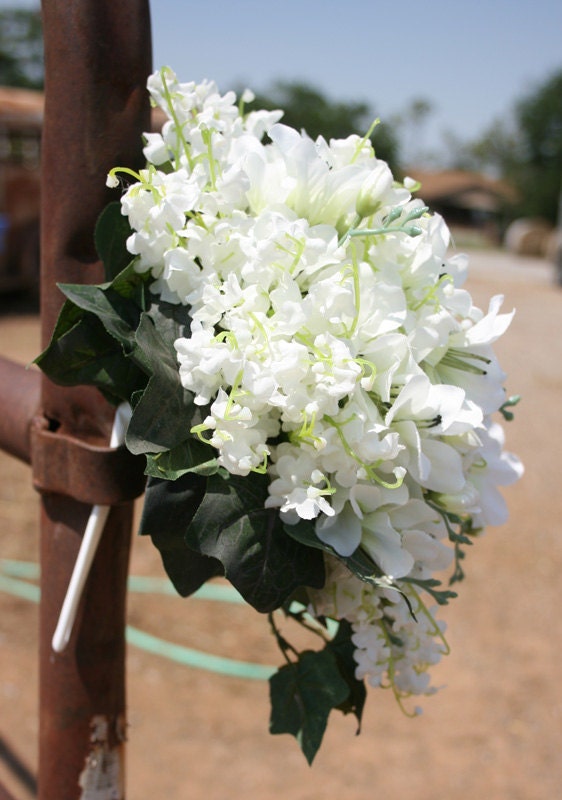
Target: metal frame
<point x="97" y="59"/>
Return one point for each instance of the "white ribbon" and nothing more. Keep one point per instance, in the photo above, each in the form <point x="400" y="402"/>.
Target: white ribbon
<point x="88" y="547"/>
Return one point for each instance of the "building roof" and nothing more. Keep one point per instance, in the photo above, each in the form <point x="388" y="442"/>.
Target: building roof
<point x="464" y="189"/>
<point x="24" y="107"/>
<point x="20" y="106"/>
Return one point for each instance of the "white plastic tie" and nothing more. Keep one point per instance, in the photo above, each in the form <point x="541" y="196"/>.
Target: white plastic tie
<point x="92" y="535"/>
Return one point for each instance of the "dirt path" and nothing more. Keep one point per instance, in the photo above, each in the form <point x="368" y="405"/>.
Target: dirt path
<point x="495" y="732"/>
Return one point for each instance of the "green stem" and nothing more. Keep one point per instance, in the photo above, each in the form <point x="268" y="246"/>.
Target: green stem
<point x="282" y="643"/>
<point x="175" y="120"/>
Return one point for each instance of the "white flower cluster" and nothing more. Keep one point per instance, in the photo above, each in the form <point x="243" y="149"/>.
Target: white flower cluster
<point x="332" y="345"/>
<point x="396" y="636"/>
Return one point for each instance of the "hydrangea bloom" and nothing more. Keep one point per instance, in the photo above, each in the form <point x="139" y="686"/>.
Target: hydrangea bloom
<point x="332" y="347"/>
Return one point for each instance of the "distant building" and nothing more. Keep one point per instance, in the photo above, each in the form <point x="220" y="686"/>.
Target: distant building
<point x="21" y="123"/>
<point x="473" y="205"/>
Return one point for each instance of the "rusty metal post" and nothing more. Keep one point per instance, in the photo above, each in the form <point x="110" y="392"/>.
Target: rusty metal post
<point x="97" y="56"/>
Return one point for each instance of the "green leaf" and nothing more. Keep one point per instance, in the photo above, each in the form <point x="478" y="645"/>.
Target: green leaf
<point x="302" y="695"/>
<point x="171" y="319"/>
<point x="118" y="305"/>
<point x="259" y="559"/>
<point x="189" y="456"/>
<point x="94" y="334"/>
<point x="168" y="508"/>
<point x="110" y="236"/>
<point x="343" y="649"/>
<point x="97" y="303"/>
<point x="163" y="416"/>
<point x="230" y="525"/>
<point x="82" y="352"/>
<point x="157" y="330"/>
<point x="358" y="562"/>
<point x="187" y="569"/>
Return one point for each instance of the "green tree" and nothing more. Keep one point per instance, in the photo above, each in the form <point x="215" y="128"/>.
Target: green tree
<point x="306" y="107"/>
<point x="526" y="149"/>
<point x="21" y="48"/>
<point x="410" y="126"/>
<point x="540" y="124"/>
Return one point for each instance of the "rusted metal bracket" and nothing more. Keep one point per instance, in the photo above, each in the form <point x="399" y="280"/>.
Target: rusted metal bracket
<point x="91" y="474"/>
<point x="81" y="468"/>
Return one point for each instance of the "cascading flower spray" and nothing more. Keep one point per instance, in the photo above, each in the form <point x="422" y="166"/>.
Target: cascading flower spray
<point x="329" y="375"/>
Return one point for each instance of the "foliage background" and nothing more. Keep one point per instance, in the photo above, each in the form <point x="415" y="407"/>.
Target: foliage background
<point x="21" y="48"/>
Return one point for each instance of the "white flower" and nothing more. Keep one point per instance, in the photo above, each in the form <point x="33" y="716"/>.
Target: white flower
<point x="491" y="467"/>
<point x="331" y="347"/>
<point x="300" y="489"/>
<point x="373" y="190"/>
<point x="393" y="648"/>
<point x="155" y="149"/>
<point x="238" y="434"/>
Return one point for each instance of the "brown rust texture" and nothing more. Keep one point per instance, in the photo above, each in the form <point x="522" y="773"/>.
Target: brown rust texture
<point x="97" y="57"/>
<point x="89" y="473"/>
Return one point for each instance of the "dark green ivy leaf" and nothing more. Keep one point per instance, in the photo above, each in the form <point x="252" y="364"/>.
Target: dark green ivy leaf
<point x="81" y="351"/>
<point x="189" y="456"/>
<point x="110" y="236"/>
<point x="358" y="562"/>
<point x="171" y="319"/>
<point x="169" y="507"/>
<point x="230" y="525"/>
<point x="163" y="416"/>
<point x="343" y="648"/>
<point x="94" y="334"/>
<point x="259" y="559"/>
<point x="118" y="314"/>
<point x="302" y="695"/>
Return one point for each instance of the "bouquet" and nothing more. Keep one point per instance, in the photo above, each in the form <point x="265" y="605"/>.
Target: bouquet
<point x="313" y="390"/>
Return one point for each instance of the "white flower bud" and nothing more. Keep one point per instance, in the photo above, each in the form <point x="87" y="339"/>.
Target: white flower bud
<point x="411" y="184"/>
<point x="248" y="96"/>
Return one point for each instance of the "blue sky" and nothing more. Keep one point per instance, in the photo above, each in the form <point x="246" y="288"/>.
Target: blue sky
<point x="471" y="60"/>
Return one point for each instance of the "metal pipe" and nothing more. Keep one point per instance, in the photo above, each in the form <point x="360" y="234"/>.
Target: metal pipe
<point x="21" y="390"/>
<point x="97" y="58"/>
